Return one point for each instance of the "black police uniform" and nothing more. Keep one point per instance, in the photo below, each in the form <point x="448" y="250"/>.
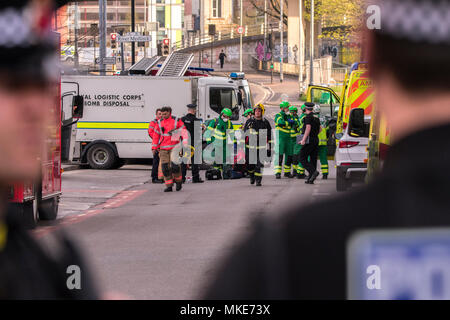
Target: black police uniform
<point x="308" y="153"/>
<point x="27" y="271"/>
<point x="189" y="121"/>
<point x="302" y="255"/>
<point x="253" y="128"/>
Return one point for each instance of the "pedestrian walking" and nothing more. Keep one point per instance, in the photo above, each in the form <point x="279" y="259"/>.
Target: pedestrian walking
<point x="155" y="164"/>
<point x="168" y="134"/>
<point x="222" y="57"/>
<point x="190" y="121"/>
<point x="310" y="143"/>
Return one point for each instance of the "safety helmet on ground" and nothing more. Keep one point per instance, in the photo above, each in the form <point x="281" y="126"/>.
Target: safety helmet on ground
<point x="247" y="112"/>
<point x="316" y="109"/>
<point x="260" y="106"/>
<point x="293" y="109"/>
<point x="227" y="112"/>
<point x="284" y="104"/>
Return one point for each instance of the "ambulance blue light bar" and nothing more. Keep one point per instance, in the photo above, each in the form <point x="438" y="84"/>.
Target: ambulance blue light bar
<point x="237" y="75"/>
<point x="358" y="66"/>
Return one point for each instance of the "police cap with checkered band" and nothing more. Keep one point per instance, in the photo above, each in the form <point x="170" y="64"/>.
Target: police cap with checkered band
<point x="413" y="43"/>
<point x="28" y="45"/>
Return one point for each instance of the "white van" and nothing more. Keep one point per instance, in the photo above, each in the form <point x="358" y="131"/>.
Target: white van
<point x="116" y="111"/>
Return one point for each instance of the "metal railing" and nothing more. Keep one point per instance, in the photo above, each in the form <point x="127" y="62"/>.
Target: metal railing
<point x="231" y="33"/>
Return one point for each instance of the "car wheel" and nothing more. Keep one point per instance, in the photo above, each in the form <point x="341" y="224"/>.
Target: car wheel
<point x="341" y="181"/>
<point x="101" y="156"/>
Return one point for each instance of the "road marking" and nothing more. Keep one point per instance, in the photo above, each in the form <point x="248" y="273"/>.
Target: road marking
<point x="117" y="201"/>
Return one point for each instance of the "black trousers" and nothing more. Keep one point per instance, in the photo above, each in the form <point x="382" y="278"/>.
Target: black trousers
<point x="254" y="169"/>
<point x="308" y="157"/>
<point x="195" y="170"/>
<point x="155" y="166"/>
<point x="221" y="63"/>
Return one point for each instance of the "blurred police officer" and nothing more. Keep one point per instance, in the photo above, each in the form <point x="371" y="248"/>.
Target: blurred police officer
<point x="303" y="254"/>
<point x="190" y="121"/>
<point x="310" y="143"/>
<point x="28" y="72"/>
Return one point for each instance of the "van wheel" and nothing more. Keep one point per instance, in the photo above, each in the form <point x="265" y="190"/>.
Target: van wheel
<point x="341" y="182"/>
<point x="48" y="209"/>
<point x="101" y="156"/>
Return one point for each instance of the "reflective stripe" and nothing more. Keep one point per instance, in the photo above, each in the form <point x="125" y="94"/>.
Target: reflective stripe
<point x="113" y="125"/>
<point x="169" y="181"/>
<point x="257" y="174"/>
<point x="283" y="130"/>
<point x="168" y="147"/>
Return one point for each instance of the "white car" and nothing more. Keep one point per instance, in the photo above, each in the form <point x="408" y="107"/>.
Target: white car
<point x="351" y="156"/>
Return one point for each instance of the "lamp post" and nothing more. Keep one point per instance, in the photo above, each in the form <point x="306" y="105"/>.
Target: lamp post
<point x="281" y="39"/>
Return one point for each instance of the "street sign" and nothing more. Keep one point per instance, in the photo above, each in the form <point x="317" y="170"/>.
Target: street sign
<point x="240" y="30"/>
<point x="134" y="37"/>
<point x="106" y="60"/>
<point x="152" y="26"/>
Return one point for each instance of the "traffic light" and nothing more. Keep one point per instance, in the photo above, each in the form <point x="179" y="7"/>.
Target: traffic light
<point x="113" y="40"/>
<point x="165" y="47"/>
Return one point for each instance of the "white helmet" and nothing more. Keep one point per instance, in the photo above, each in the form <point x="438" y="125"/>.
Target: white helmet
<point x="316" y="109"/>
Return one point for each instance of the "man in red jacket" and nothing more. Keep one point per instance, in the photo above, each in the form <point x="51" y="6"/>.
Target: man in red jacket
<point x="151" y="129"/>
<point x="167" y="135"/>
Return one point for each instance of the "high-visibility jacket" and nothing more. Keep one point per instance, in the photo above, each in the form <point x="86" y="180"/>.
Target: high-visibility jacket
<point x="282" y="125"/>
<point x="295" y="129"/>
<point x="323" y="141"/>
<point x="217" y="130"/>
<point x="168" y="133"/>
<point x="151" y="128"/>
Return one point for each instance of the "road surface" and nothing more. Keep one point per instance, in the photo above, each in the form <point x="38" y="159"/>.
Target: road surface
<point x="148" y="244"/>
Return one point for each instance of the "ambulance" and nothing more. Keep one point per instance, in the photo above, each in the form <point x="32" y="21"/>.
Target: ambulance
<point x="379" y="142"/>
<point x="347" y="147"/>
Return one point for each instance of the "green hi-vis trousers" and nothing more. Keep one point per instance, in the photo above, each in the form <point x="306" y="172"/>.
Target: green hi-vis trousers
<point x="296" y="164"/>
<point x="323" y="151"/>
<point x="284" y="147"/>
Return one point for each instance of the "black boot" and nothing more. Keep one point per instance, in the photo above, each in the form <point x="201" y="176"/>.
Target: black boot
<point x="179" y="185"/>
<point x="252" y="179"/>
<point x="288" y="175"/>
<point x="278" y="176"/>
<point x="325" y="176"/>
<point x="301" y="176"/>
<point x="157" y="181"/>
<point x="258" y="182"/>
<point x="168" y="189"/>
<point x="312" y="178"/>
<point x="197" y="180"/>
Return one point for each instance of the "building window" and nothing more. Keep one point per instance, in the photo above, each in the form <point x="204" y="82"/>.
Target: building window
<point x="161" y="16"/>
<point x="217" y="8"/>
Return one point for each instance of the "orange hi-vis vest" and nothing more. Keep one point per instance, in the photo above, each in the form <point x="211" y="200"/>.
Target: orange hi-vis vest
<point x="151" y="128"/>
<point x="168" y="133"/>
